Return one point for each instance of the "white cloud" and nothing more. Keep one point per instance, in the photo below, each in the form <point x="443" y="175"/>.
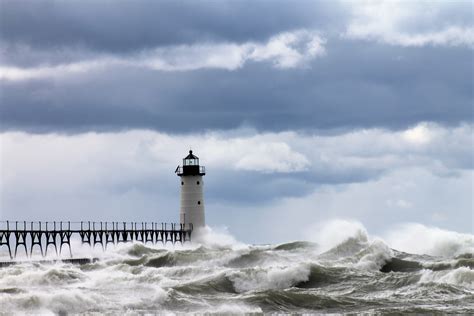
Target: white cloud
<point x="130" y="174"/>
<point x="271" y="157"/>
<point x="401" y="203"/>
<point x="139" y="150"/>
<point x="387" y="21"/>
<point x="419" y="134"/>
<point x="240" y="150"/>
<point x="193" y="57"/>
<point x="288" y="50"/>
<point x="285" y="50"/>
<point x="17" y="74"/>
<point x="367" y="203"/>
<point x="92" y="159"/>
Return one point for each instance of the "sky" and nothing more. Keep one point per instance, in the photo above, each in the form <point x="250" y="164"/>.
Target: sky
<point x="301" y="111"/>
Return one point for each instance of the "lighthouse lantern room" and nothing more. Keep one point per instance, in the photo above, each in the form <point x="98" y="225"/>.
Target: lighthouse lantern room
<point x="192" y="197"/>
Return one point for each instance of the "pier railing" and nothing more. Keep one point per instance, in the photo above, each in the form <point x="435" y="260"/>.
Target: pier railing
<point x="21" y="234"/>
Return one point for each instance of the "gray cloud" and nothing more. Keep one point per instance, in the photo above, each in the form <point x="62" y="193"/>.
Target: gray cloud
<point x="373" y="85"/>
<point x="135" y="25"/>
<point x="191" y="67"/>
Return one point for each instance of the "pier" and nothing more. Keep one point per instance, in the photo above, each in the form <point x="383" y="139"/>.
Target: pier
<point x="55" y="236"/>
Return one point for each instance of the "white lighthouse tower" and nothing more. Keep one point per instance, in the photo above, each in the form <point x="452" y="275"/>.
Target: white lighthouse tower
<point x="192" y="197"/>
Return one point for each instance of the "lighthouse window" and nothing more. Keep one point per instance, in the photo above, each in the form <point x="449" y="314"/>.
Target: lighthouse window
<point x="199" y="202"/>
<point x="197" y="183"/>
<point x="182" y="183"/>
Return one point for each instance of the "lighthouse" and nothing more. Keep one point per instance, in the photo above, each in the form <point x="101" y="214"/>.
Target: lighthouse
<point x="192" y="197"/>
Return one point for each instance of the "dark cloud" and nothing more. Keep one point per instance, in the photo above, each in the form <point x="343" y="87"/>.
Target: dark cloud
<point x="133" y="25"/>
<point x="355" y="85"/>
<point x="231" y="186"/>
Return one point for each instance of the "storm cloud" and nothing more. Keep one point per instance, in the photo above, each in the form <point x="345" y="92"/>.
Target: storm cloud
<point x="207" y="65"/>
<point x="127" y="26"/>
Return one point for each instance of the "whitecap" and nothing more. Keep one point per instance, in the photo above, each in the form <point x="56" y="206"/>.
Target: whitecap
<point x="462" y="276"/>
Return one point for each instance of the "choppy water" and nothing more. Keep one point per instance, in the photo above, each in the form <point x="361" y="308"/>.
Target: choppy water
<point x="294" y="277"/>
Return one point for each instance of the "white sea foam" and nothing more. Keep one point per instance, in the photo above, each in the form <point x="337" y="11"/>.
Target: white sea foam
<point x="232" y="309"/>
<point x="374" y="256"/>
<point x="216" y="237"/>
<point x="275" y="277"/>
<point x="202" y="277"/>
<point x="52" y="300"/>
<point x="409" y="237"/>
<point x="462" y="276"/>
<point x="334" y="232"/>
<point x="45" y="275"/>
<point x="420" y="239"/>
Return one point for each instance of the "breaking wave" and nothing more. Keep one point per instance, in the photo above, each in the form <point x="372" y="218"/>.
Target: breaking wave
<point x="462" y="276"/>
<point x="357" y="272"/>
<point x="420" y="239"/>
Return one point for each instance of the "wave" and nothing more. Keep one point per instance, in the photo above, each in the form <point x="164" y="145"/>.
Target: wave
<point x="256" y="256"/>
<point x="139" y="249"/>
<point x="468" y="263"/>
<point x="348" y="248"/>
<point x="255" y="280"/>
<point x="274" y="301"/>
<point x="462" y="276"/>
<point x="374" y="256"/>
<point x="217" y="238"/>
<point x="219" y="283"/>
<point x="296" y="245"/>
<point x="156" y="257"/>
<point x="321" y="276"/>
<point x="360" y="253"/>
<point x="44" y="275"/>
<point x="165" y="260"/>
<point x="251" y="258"/>
<point x="252" y="279"/>
<point x="11" y="290"/>
<point x="419" y="239"/>
<point x="274" y="277"/>
<point x="343" y="235"/>
<point x="400" y="265"/>
<point x="228" y="309"/>
<point x="329" y="234"/>
<point x="396" y="264"/>
<point x="352" y="246"/>
<point x="289" y="277"/>
<point x="53" y="301"/>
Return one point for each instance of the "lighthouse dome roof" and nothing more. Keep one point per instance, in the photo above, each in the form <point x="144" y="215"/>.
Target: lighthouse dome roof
<point x="191" y="156"/>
